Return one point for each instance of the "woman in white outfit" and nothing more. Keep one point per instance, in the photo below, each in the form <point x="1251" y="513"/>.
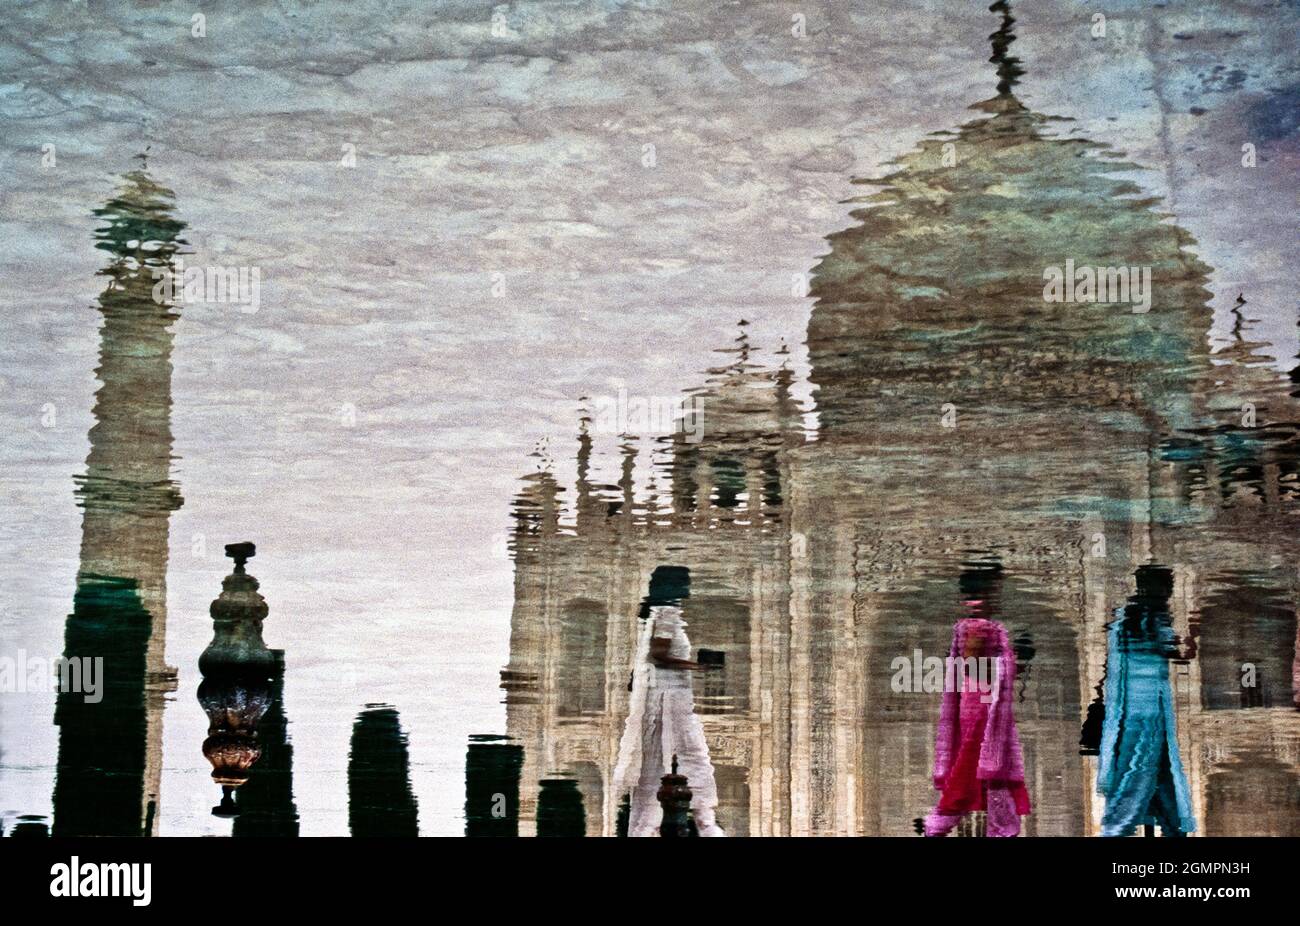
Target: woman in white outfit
<point x="661" y="719"/>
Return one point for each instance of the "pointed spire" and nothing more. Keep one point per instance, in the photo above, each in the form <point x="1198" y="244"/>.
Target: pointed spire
<point x="1008" y="66"/>
<point x="583" y="485"/>
<point x="743" y="341"/>
<point x="1238" y="319"/>
<point x="626" y="480"/>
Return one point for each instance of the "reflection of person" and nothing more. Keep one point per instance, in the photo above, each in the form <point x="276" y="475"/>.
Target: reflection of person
<point x="1138" y="769"/>
<point x="977" y="760"/>
<point x="661" y="719"/>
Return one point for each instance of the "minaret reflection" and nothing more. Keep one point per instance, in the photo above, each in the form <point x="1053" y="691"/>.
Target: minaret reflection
<point x="110" y="763"/>
<point x="241" y="692"/>
<point x="380" y="799"/>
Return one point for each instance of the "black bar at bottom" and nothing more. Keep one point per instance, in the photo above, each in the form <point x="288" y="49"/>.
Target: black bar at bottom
<point x="269" y="875"/>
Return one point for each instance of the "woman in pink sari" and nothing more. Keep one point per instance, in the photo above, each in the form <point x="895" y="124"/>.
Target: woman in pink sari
<point x="977" y="759"/>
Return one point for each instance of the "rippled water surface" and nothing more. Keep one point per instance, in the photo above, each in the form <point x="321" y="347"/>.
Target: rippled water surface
<point x="500" y="585"/>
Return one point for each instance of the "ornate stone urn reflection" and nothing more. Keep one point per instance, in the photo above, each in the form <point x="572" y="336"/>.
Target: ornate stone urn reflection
<point x="238" y="669"/>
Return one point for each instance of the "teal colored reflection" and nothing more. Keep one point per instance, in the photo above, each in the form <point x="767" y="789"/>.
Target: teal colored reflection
<point x="1139" y="773"/>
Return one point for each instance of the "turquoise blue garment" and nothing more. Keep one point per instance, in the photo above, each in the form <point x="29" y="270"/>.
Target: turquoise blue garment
<point x="1139" y="773"/>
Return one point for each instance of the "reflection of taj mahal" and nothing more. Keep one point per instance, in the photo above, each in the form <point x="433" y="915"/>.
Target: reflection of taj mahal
<point x="803" y="608"/>
<point x="1088" y="441"/>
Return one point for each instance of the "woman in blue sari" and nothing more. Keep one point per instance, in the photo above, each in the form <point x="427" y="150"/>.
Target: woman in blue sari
<point x="1139" y="772"/>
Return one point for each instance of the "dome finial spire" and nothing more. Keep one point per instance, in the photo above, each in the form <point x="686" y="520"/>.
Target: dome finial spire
<point x="1008" y="65"/>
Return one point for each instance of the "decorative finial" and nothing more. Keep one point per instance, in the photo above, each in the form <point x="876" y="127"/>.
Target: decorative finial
<point x="241" y="553"/>
<point x="1239" y="320"/>
<point x="675" y="798"/>
<point x="743" y="340"/>
<point x="1008" y="65"/>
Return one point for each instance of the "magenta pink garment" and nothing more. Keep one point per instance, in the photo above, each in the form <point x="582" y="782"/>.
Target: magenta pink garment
<point x="977" y="742"/>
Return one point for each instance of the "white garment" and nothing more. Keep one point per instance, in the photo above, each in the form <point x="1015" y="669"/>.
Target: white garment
<point x="661" y="723"/>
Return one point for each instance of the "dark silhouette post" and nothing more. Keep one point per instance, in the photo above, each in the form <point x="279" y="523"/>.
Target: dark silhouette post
<point x="266" y="806"/>
<point x="492" y="771"/>
<point x="675" y="798"/>
<point x="380" y="799"/>
<point x="559" y="809"/>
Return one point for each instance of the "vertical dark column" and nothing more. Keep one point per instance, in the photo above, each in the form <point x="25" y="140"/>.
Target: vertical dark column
<point x="266" y="806"/>
<point x="492" y="787"/>
<point x="380" y="799"/>
<point x="559" y="809"/>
